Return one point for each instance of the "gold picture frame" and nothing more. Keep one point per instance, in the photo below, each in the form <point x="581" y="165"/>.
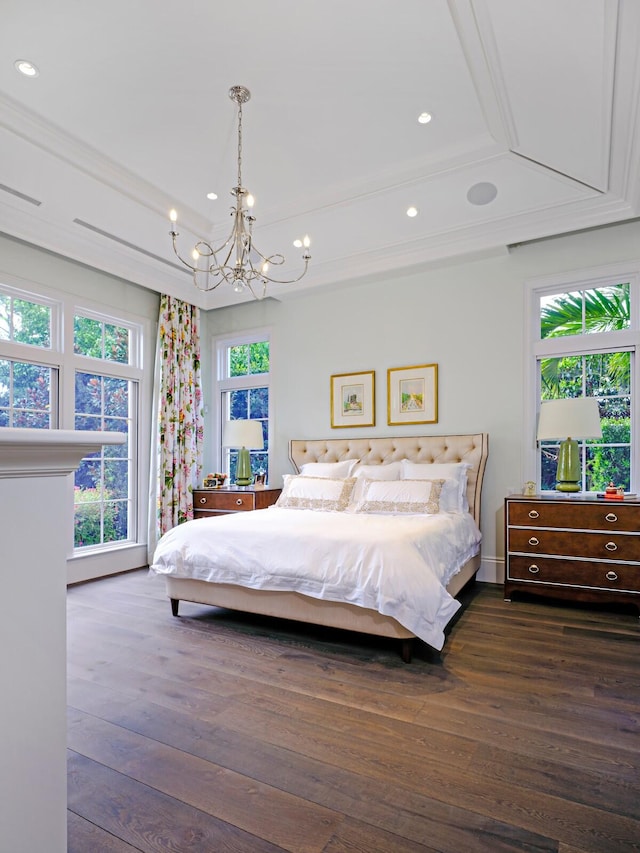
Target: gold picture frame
<point x="412" y="395"/>
<point x="353" y="400"/>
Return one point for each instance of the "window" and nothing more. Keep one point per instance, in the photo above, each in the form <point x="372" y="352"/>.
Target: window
<point x="243" y="392"/>
<point x="584" y="345"/>
<point x="97" y="374"/>
<point x="105" y="398"/>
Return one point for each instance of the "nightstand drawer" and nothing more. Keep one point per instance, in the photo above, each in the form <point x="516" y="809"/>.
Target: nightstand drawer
<point x="601" y="546"/>
<point x="612" y="515"/>
<point x="575" y="573"/>
<point x="224" y="501"/>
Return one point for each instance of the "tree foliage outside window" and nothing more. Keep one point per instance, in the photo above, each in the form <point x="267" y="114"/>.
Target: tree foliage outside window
<point x="25" y="395"/>
<point x="25" y="322"/>
<point x="99" y="339"/>
<point x="102" y="501"/>
<point x="605" y="375"/>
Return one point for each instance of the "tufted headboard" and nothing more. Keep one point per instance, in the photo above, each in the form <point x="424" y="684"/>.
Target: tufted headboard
<point x="472" y="448"/>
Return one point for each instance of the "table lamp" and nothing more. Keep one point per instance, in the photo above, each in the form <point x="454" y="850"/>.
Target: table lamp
<point x="243" y="435"/>
<point x="569" y="419"/>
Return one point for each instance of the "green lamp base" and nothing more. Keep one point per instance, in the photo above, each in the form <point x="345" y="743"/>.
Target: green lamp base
<point x="244" y="477"/>
<point x="568" y="474"/>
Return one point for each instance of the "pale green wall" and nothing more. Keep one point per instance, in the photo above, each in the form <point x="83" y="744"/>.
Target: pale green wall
<point x="468" y="318"/>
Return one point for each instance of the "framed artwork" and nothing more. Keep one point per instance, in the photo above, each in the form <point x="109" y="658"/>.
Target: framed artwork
<point x="412" y="395"/>
<point x="353" y="399"/>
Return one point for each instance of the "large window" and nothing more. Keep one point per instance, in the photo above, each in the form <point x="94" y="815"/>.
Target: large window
<point x="584" y="345"/>
<point x="243" y="392"/>
<point x="63" y="366"/>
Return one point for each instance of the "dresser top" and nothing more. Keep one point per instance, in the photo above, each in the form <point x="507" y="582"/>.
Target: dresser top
<point x="573" y="497"/>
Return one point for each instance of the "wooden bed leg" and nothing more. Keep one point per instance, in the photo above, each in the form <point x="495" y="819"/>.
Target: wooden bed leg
<point x="174" y="606"/>
<point x="407" y="649"/>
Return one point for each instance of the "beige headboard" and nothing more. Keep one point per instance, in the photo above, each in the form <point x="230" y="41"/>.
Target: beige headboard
<point x="417" y="448"/>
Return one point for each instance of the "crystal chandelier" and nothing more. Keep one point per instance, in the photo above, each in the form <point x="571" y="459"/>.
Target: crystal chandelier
<point x="237" y="261"/>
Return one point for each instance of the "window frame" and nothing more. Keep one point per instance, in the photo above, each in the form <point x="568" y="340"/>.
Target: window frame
<point x="224" y="384"/>
<point x="535" y="348"/>
<point x="64" y="362"/>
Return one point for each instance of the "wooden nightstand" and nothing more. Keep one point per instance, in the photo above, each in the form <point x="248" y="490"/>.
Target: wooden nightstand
<point x="578" y="548"/>
<point x="211" y="502"/>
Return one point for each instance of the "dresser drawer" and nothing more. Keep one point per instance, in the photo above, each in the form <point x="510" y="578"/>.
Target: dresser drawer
<point x="611" y="515"/>
<point x="575" y="573"/>
<point x="600" y="546"/>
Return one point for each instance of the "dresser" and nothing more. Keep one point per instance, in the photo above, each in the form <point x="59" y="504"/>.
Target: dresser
<point x="211" y="502"/>
<point x="573" y="547"/>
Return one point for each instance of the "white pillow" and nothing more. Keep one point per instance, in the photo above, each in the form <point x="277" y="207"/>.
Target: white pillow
<point x="454" y="495"/>
<point x="390" y="471"/>
<point x="335" y="470"/>
<point x="318" y="493"/>
<point x="391" y="497"/>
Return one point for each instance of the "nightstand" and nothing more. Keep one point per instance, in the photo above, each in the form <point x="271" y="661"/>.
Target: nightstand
<point x="578" y="548"/>
<point x="211" y="502"/>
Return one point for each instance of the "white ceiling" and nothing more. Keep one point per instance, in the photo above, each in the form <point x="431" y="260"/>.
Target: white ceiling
<point x="130" y="117"/>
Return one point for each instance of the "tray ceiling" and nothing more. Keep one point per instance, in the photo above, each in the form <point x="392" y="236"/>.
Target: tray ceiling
<point x="533" y="105"/>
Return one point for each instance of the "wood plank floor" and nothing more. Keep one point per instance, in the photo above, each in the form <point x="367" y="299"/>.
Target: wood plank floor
<point x="223" y="733"/>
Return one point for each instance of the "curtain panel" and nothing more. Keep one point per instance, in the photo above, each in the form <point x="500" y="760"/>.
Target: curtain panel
<point x="179" y="427"/>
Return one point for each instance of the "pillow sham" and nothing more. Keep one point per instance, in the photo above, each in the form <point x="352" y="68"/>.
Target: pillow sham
<point x="454" y="493"/>
<point x="335" y="470"/>
<point x="392" y="497"/>
<point x="390" y="471"/>
<point x="318" y="493"/>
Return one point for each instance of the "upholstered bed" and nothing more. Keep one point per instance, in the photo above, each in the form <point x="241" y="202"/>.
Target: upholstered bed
<point x="429" y="452"/>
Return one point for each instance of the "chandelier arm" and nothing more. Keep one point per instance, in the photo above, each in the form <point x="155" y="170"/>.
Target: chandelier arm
<point x="241" y="272"/>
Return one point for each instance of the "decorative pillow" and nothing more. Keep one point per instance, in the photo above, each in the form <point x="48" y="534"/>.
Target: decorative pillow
<point x="391" y="497"/>
<point x="335" y="470"/>
<point x="319" y="493"/>
<point x="390" y="471"/>
<point x="454" y="494"/>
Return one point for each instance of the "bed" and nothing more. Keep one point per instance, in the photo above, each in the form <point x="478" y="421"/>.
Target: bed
<point x="292" y="593"/>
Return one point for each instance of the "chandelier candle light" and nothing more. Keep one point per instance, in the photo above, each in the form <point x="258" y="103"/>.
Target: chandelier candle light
<point x="237" y="261"/>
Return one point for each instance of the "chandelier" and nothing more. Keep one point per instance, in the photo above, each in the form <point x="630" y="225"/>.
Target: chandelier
<point x="237" y="261"/>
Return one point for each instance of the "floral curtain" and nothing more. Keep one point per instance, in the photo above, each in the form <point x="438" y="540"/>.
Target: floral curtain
<point x="179" y="427"/>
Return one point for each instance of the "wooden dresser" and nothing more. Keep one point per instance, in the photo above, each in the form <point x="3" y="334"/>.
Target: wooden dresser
<point x="578" y="548"/>
<point x="211" y="502"/>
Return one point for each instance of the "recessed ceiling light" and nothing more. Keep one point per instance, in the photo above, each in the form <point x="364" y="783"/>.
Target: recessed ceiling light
<point x="25" y="67"/>
<point x="482" y="193"/>
<point x="412" y="211"/>
<point x="424" y="118"/>
<point x="297" y="244"/>
<point x="212" y="196"/>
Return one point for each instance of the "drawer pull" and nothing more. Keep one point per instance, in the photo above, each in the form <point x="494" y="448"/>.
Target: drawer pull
<point x="534" y="541"/>
<point x="611" y="516"/>
<point x="239" y="502"/>
<point x="534" y="569"/>
<point x="611" y="576"/>
<point x="611" y="546"/>
<point x="534" y="513"/>
<point x="203" y="500"/>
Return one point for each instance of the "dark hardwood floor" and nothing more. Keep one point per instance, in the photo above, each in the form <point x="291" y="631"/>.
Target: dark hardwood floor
<point x="233" y="734"/>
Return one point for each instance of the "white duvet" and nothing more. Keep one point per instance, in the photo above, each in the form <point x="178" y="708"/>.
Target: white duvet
<point x="398" y="565"/>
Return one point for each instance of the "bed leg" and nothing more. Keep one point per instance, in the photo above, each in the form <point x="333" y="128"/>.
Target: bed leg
<point x="407" y="649"/>
<point x="174" y="606"/>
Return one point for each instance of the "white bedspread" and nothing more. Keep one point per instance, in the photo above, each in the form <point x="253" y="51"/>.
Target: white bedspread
<point x="398" y="565"/>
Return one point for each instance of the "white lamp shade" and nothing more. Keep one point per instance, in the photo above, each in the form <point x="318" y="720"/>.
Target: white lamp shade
<point x="241" y="433"/>
<point x="574" y="417"/>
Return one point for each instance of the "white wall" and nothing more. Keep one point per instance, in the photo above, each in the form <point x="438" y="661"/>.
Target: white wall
<point x="467" y="317"/>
